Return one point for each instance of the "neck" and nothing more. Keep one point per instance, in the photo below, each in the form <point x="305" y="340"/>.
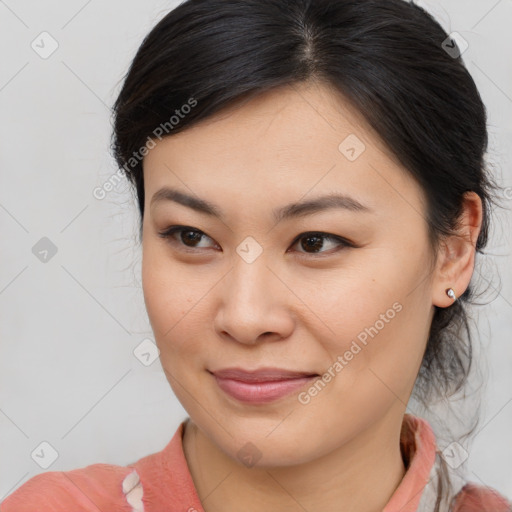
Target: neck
<point x="361" y="475"/>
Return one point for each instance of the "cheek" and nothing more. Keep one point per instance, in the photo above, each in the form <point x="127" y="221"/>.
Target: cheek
<point x="165" y="293"/>
<point x="375" y="327"/>
<point x="175" y="297"/>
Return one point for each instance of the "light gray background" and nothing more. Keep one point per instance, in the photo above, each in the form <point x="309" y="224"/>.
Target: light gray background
<point x="68" y="375"/>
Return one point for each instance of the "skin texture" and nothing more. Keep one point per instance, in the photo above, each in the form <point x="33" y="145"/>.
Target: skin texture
<point x="294" y="307"/>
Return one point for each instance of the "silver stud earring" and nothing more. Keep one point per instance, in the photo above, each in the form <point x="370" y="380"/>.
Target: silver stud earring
<point x="451" y="293"/>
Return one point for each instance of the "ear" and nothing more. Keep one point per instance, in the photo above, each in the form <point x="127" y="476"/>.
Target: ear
<point x="456" y="258"/>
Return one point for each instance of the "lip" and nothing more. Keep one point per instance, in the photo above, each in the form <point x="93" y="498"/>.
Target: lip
<point x="262" y="385"/>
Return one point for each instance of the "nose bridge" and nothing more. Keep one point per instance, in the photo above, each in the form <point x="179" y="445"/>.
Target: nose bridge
<point x="249" y="282"/>
<point x="250" y="274"/>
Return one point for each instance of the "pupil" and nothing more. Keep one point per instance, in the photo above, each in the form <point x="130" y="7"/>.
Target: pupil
<point x="317" y="244"/>
<point x="194" y="236"/>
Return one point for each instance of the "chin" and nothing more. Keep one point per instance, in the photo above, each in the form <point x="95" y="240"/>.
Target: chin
<point x="265" y="442"/>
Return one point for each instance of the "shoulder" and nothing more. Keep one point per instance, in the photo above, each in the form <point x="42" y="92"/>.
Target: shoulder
<point x="478" y="498"/>
<point x="92" y="488"/>
<point x="156" y="480"/>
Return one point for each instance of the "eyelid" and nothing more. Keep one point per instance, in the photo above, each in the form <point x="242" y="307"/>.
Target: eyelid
<point x="167" y="234"/>
<point x="342" y="243"/>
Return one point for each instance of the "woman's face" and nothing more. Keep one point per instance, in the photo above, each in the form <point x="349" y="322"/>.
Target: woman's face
<point x="249" y="288"/>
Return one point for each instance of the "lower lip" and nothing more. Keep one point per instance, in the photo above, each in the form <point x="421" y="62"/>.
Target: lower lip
<point x="261" y="392"/>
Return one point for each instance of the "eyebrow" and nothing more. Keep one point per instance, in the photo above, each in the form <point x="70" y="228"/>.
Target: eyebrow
<point x="292" y="210"/>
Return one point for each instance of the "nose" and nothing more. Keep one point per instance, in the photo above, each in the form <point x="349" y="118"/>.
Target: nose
<point x="255" y="304"/>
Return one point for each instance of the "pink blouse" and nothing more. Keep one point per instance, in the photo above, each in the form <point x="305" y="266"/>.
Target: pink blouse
<point x="161" y="482"/>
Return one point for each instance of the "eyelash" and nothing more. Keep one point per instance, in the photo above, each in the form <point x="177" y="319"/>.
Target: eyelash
<point x="172" y="230"/>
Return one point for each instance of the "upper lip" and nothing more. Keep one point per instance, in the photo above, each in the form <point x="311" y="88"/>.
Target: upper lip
<point x="261" y="374"/>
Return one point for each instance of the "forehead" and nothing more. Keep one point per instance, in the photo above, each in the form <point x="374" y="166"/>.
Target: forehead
<point x="281" y="145"/>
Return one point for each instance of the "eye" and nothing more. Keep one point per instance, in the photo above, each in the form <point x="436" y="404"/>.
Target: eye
<point x="315" y="242"/>
<point x="189" y="238"/>
<point x="187" y="235"/>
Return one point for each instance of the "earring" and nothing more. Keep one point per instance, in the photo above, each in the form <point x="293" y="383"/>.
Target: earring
<point x="451" y="293"/>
